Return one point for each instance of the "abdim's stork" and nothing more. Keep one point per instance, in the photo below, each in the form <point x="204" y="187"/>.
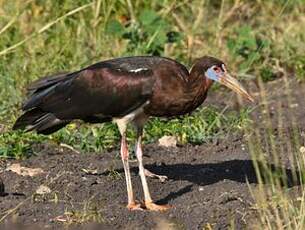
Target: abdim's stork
<point x="124" y="90"/>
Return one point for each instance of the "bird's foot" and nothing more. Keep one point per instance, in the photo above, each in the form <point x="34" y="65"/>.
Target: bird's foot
<point x="133" y="206"/>
<point x="156" y="207"/>
<point x="148" y="173"/>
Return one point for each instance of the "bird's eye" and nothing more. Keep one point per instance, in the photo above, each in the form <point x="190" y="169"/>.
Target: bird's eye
<point x="217" y="69"/>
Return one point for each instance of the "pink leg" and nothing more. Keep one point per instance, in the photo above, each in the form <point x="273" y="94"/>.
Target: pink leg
<point x="132" y="205"/>
<point x="149" y="204"/>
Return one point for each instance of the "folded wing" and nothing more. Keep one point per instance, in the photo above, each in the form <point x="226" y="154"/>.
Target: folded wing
<point x="95" y="94"/>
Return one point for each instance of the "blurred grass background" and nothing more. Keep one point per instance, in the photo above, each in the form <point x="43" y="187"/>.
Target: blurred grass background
<point x="42" y="37"/>
<point x="260" y="41"/>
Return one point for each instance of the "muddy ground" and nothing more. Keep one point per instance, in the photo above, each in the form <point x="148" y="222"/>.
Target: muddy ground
<point x="207" y="184"/>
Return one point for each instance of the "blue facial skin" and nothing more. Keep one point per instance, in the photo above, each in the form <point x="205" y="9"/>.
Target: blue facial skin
<point x="211" y="74"/>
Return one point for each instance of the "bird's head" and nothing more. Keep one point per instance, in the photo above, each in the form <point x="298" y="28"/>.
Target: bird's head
<point x="215" y="70"/>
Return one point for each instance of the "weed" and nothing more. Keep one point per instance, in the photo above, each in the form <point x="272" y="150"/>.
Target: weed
<point x="113" y="174"/>
<point x="17" y="144"/>
<point x="300" y="68"/>
<point x="90" y="212"/>
<point x="148" y="35"/>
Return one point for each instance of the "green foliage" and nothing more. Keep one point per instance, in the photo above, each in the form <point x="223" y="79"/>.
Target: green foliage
<point x="88" y="138"/>
<point x="197" y="128"/>
<point x="267" y="74"/>
<point x="107" y="29"/>
<point x="115" y="28"/>
<point x="247" y="46"/>
<point x="300" y="68"/>
<point x="203" y="125"/>
<point x="148" y="35"/>
<point x="18" y="145"/>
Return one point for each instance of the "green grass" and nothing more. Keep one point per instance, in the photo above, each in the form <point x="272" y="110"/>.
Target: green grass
<point x="42" y="37"/>
<point x="278" y="204"/>
<point x="204" y="125"/>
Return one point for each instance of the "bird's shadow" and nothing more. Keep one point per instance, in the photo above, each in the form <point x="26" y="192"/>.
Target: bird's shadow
<point x="241" y="171"/>
<point x="236" y="170"/>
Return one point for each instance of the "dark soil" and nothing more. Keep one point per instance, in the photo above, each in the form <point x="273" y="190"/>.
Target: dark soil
<point x="207" y="184"/>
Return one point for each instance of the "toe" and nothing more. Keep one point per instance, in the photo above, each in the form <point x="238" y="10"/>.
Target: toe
<point x="156" y="207"/>
<point x="134" y="207"/>
<point x="163" y="178"/>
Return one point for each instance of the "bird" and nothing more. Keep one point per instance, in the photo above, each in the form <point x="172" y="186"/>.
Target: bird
<point x="127" y="91"/>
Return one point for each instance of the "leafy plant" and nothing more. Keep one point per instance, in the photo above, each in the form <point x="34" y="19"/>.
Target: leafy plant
<point x="247" y="46"/>
<point x="201" y="126"/>
<point x="18" y="145"/>
<point x="267" y="74"/>
<point x="299" y="66"/>
<point x="146" y="36"/>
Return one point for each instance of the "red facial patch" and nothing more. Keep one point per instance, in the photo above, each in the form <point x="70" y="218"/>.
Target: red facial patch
<point x="217" y="69"/>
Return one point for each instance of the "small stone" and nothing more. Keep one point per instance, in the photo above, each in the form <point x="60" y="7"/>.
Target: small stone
<point x="302" y="149"/>
<point x="295" y="105"/>
<point x="201" y="188"/>
<point x="42" y="189"/>
<point x="24" y="171"/>
<point x="90" y="171"/>
<point x="168" y="141"/>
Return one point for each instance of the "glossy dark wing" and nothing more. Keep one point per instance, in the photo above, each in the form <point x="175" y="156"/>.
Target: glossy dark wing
<point x="94" y="94"/>
<point x="99" y="91"/>
<point x="46" y="81"/>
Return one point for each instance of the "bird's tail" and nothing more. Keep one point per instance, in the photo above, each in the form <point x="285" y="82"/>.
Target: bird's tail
<point x="34" y="117"/>
<point x="40" y="121"/>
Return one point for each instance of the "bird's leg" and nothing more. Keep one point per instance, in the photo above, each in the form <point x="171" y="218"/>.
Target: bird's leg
<point x="148" y="173"/>
<point x="149" y="204"/>
<point x="132" y="205"/>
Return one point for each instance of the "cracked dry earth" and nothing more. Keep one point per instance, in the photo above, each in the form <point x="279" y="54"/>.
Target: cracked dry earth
<point x="207" y="185"/>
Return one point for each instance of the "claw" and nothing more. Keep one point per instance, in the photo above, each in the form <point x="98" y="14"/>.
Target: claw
<point x="134" y="207"/>
<point x="148" y="173"/>
<point x="156" y="207"/>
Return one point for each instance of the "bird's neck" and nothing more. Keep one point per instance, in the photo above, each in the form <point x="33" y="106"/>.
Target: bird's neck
<point x="198" y="85"/>
<point x="198" y="81"/>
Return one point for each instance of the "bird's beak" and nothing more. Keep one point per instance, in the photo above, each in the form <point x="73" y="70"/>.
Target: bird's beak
<point x="229" y="81"/>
